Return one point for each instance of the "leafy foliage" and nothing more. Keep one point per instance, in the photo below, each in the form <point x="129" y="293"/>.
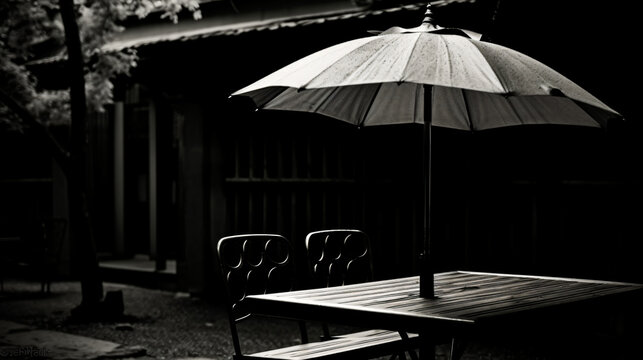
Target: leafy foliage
<point x="31" y="33"/>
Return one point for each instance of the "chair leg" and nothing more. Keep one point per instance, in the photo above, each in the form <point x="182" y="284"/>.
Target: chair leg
<point x="412" y="353"/>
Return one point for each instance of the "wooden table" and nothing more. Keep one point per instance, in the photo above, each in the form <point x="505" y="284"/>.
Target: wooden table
<point x="464" y="301"/>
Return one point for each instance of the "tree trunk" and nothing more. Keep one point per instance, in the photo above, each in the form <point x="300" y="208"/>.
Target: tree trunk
<point x="83" y="247"/>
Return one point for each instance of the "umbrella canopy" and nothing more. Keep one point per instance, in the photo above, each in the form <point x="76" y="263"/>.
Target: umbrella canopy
<point x="380" y="80"/>
<point x="428" y="75"/>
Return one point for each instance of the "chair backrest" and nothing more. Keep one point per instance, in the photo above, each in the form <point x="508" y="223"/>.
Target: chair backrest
<point x="253" y="264"/>
<point x="339" y="257"/>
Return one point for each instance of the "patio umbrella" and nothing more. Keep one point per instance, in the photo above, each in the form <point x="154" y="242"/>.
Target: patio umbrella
<point x="433" y="76"/>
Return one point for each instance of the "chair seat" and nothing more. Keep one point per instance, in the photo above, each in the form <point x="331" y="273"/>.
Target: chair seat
<point x="361" y="344"/>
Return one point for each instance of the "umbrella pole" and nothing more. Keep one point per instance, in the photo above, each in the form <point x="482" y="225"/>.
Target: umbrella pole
<point x="426" y="262"/>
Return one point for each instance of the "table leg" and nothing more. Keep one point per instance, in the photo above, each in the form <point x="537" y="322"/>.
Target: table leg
<point x="457" y="348"/>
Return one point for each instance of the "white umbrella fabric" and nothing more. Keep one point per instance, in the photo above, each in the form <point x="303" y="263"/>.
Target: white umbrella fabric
<point x="428" y="75"/>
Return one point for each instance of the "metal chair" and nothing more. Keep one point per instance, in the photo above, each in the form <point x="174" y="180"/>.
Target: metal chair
<point x="264" y="263"/>
<point x="341" y="257"/>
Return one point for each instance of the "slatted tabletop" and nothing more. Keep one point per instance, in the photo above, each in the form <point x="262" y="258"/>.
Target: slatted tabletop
<point x="462" y="299"/>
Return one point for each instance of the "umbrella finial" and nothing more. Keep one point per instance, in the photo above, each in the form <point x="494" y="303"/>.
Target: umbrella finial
<point x="428" y="23"/>
<point x="428" y="16"/>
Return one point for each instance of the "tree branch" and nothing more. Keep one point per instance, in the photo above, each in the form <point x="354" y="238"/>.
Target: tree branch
<point x="58" y="152"/>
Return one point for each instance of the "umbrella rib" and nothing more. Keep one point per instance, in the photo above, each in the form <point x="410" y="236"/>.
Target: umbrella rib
<point x="324" y="101"/>
<point x="513" y="108"/>
<point x="370" y="104"/>
<point x="415" y="44"/>
<point x="448" y="55"/>
<point x="466" y="108"/>
<point x="601" y="123"/>
<point x="336" y="61"/>
<point x="262" y="105"/>
<point x="495" y="73"/>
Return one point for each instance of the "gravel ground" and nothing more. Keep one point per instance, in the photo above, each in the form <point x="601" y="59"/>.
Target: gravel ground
<point x="175" y="325"/>
<point x="169" y="325"/>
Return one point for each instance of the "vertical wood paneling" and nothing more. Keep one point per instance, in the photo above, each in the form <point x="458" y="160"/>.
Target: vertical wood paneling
<point x="291" y="183"/>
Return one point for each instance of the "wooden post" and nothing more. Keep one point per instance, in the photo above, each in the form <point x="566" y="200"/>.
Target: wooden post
<point x="156" y="249"/>
<point x="119" y="177"/>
